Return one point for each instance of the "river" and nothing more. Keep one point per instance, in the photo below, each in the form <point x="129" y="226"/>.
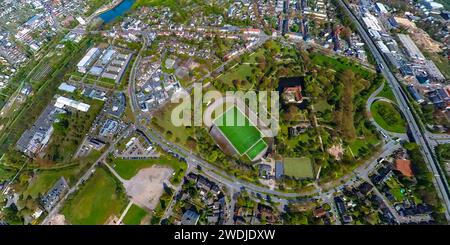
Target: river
<point x="117" y="11"/>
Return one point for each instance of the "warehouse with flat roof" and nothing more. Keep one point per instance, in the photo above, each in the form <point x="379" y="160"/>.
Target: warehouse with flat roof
<point x="62" y="101"/>
<point x="88" y="59"/>
<point x="371" y="22"/>
<point x="411" y="48"/>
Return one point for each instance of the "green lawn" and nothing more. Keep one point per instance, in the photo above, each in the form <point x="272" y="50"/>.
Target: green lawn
<point x="240" y="72"/>
<point x="396" y="189"/>
<point x="163" y="121"/>
<point x="128" y="168"/>
<point x="45" y="180"/>
<point x="98" y="199"/>
<point x="256" y="149"/>
<point x="299" y="167"/>
<point x="388" y="117"/>
<point x="258" y="53"/>
<point x="134" y="215"/>
<point x="107" y="80"/>
<point x="387" y="93"/>
<point x="47" y="177"/>
<point x="241" y="137"/>
<point x="358" y="144"/>
<point x="339" y="64"/>
<point x="322" y="105"/>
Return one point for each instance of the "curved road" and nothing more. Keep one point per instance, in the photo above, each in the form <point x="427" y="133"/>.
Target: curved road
<point x="420" y="138"/>
<point x="231" y="181"/>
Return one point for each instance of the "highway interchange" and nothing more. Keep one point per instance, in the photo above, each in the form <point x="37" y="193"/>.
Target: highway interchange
<point x="284" y="197"/>
<point x="419" y="137"/>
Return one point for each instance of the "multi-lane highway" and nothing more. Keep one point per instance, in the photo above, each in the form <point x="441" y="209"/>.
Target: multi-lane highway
<point x="419" y="137"/>
<point x="236" y="184"/>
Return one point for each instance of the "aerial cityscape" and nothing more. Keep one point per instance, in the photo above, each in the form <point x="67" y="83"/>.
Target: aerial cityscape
<point x="224" y="112"/>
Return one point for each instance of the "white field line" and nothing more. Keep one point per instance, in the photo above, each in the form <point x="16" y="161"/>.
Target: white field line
<point x="223" y="134"/>
<point x="253" y="146"/>
<point x="251" y="124"/>
<point x="241" y="107"/>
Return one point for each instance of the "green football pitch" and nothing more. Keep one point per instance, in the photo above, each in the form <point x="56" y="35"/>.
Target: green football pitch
<point x="256" y="149"/>
<point x="240" y="132"/>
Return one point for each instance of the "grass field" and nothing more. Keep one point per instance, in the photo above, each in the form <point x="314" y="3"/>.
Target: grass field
<point x="129" y="168"/>
<point x="101" y="197"/>
<point x="256" y="149"/>
<point x="134" y="215"/>
<point x="322" y="105"/>
<point x="241" y="137"/>
<point x="298" y="167"/>
<point x="164" y="121"/>
<point x="387" y="93"/>
<point x="339" y="64"/>
<point x="396" y="189"/>
<point x="388" y="117"/>
<point x="238" y="73"/>
<point x="242" y="71"/>
<point x="45" y="180"/>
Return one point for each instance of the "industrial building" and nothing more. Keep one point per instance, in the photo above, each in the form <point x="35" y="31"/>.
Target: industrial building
<point x="107" y="56"/>
<point x="109" y="128"/>
<point x="107" y="63"/>
<point x="96" y="71"/>
<point x="118" y="105"/>
<point x="88" y="60"/>
<point x="433" y="71"/>
<point x="62" y="102"/>
<point x="67" y="87"/>
<point x="34" y="139"/>
<point x="381" y="8"/>
<point x="383" y="47"/>
<point x="411" y="48"/>
<point x="113" y="69"/>
<point x="371" y="22"/>
<point x="415" y="94"/>
<point x="94" y="94"/>
<point x="431" y="5"/>
<point x="109" y="75"/>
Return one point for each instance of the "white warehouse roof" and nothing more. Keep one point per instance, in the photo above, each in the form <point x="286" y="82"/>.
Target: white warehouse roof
<point x="371" y="22"/>
<point x="67" y="87"/>
<point x="381" y="8"/>
<point x="87" y="57"/>
<point x="62" y="101"/>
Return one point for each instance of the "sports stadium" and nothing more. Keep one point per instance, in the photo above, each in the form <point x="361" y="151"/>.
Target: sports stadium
<point x="236" y="134"/>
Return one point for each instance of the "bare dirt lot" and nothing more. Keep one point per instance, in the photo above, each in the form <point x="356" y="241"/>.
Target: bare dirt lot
<point x="147" y="186"/>
<point x="419" y="36"/>
<point x="58" y="219"/>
